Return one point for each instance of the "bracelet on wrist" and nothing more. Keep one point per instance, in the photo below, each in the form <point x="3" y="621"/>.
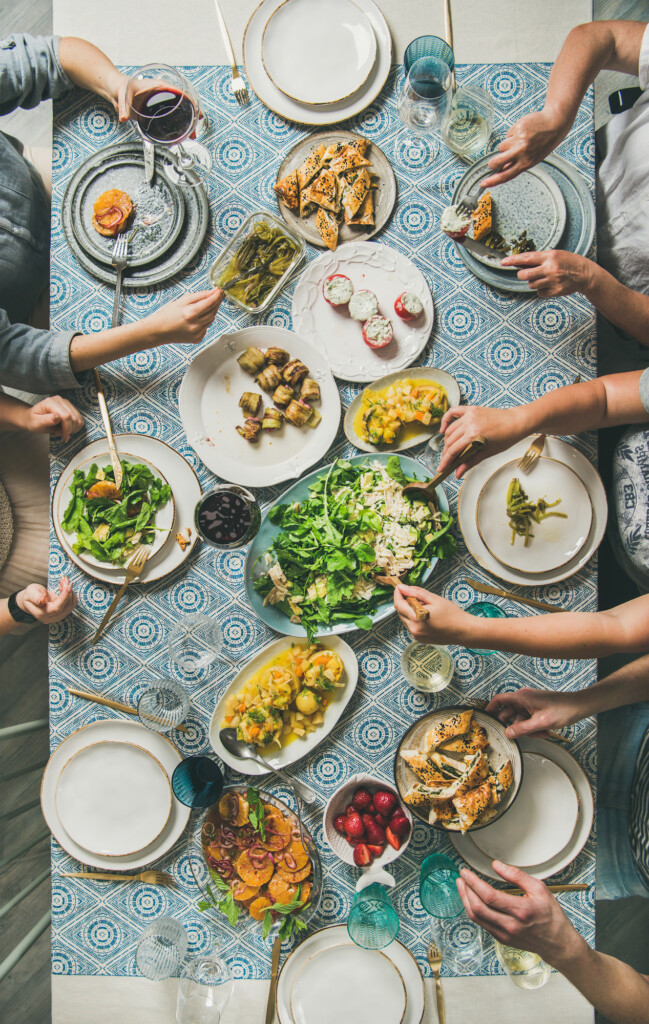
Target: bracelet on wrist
<point x="16" y="612"/>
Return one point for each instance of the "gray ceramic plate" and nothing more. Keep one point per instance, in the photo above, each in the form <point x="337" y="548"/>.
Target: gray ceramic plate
<point x="385" y="194"/>
<point x="159" y="206"/>
<point x="532" y="202"/>
<point x="168" y="264"/>
<point x="418" y="373"/>
<point x="578" y="232"/>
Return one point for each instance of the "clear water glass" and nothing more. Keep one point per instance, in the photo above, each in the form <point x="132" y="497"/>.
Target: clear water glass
<point x="469" y="122"/>
<point x="161" y="949"/>
<point x="432" y="453"/>
<point x="426" y="667"/>
<point x="195" y="642"/>
<point x="437" y="889"/>
<point x="163" y="705"/>
<point x="485" y="610"/>
<point x="204" y="990"/>
<point x="373" y="922"/>
<point x="527" y="970"/>
<point x="428" y="46"/>
<point x="197" y="781"/>
<point x="460" y="941"/>
<point x="423" y="101"/>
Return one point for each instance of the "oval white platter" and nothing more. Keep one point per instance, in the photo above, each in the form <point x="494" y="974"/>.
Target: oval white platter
<point x="331" y="71"/>
<point x="283" y="756"/>
<point x="209" y="410"/>
<point x="418" y="373"/>
<point x="387" y="273"/>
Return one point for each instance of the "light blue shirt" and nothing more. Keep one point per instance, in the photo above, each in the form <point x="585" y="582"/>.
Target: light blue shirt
<point x="30" y="359"/>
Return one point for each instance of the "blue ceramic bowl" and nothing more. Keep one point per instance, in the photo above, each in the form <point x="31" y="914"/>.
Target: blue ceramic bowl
<point x="428" y="46"/>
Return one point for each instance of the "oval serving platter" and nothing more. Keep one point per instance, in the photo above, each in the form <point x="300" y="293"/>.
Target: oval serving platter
<point x="281" y="757"/>
<point x="271" y="615"/>
<point x="424" y="434"/>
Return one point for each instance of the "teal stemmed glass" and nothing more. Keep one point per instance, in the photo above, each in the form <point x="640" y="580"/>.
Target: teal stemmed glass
<point x="437" y="889"/>
<point x="373" y="922"/>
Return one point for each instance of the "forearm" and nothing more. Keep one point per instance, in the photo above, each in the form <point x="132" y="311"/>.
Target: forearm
<point x="7" y="622"/>
<point x="624" y="307"/>
<point x="608" y="401"/>
<point x="88" y="67"/>
<point x="13" y="413"/>
<point x="89" y="350"/>
<point x="614" y="989"/>
<point x="628" y="685"/>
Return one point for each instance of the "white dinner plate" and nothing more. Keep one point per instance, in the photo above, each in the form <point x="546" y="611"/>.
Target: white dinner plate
<point x="185" y="488"/>
<point x="210" y="413"/>
<point x="555" y="541"/>
<point x="163" y="519"/>
<point x="329" y="72"/>
<point x="542" y="820"/>
<point x="466" y="844"/>
<point x="336" y="937"/>
<point x="113" y="798"/>
<point x="472" y="488"/>
<point x="303" y="113"/>
<point x="291" y="753"/>
<point x="330" y="329"/>
<point x="347" y="982"/>
<point x="116" y="731"/>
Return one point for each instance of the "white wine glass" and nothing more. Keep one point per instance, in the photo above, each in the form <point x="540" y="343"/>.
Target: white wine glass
<point x="423" y="102"/>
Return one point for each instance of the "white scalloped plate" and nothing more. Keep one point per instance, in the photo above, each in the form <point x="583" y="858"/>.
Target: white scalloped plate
<point x="331" y="330"/>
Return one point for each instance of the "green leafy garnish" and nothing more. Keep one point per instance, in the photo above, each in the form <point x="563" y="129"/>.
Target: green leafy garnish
<point x="226" y="904"/>
<point x="256" y="812"/>
<point x="291" y="921"/>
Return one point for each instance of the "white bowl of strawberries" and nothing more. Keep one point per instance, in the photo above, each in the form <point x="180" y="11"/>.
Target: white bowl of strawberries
<point x="366" y="824"/>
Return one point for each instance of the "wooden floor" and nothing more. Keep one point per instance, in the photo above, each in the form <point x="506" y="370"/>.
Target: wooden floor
<point x="622" y="926"/>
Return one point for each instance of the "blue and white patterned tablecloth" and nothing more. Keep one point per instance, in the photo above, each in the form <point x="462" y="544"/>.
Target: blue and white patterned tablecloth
<point x="503" y="349"/>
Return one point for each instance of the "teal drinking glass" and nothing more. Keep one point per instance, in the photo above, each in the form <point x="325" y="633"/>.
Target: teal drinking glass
<point x="485" y="610"/>
<point x="373" y="922"/>
<point x="428" y="46"/>
<point x="437" y="889"/>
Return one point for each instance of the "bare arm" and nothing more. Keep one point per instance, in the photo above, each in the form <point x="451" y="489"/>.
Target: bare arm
<point x="608" y="401"/>
<point x="563" y="635"/>
<point x="89" y="68"/>
<point x="588" y="49"/>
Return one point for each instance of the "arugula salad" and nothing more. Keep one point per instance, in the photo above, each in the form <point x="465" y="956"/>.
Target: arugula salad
<point x="109" y="522"/>
<point x="356" y="523"/>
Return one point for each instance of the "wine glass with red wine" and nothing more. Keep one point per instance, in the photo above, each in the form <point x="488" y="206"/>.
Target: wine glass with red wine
<point x="227" y="517"/>
<point x="166" y="110"/>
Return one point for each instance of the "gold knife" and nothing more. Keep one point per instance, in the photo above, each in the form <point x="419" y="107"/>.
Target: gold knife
<point x="448" y="31"/>
<point x="532" y="602"/>
<point x="580" y="887"/>
<point x="115" y="704"/>
<point x="274" y="964"/>
<point x="108" y="430"/>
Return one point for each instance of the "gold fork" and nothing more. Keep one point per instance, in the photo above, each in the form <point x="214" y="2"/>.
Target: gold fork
<point x="237" y="85"/>
<point x="533" y="454"/>
<point x="133" y="570"/>
<point x="435" y="961"/>
<point x="150" y="877"/>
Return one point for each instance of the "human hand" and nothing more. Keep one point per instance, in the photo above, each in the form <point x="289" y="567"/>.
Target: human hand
<point x="55" y="416"/>
<point x="445" y="620"/>
<point x="554" y="272"/>
<point x="526" y="143"/>
<point x="186" y="318"/>
<point x="535" y="712"/>
<point x="534" y="922"/>
<point x="461" y="424"/>
<point x="45" y="605"/>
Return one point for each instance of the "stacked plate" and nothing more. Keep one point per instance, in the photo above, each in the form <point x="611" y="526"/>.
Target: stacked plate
<point x="317" y="63"/>
<point x="171" y="222"/>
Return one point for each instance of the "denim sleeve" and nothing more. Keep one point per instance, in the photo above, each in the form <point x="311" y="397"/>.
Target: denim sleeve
<point x="35" y="360"/>
<point x="644" y="389"/>
<point x="30" y="71"/>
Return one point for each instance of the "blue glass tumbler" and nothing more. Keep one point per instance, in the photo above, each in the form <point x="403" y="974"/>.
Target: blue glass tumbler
<point x="428" y="46"/>
<point x="437" y="889"/>
<point x="485" y="610"/>
<point x="197" y="781"/>
<point x="373" y="922"/>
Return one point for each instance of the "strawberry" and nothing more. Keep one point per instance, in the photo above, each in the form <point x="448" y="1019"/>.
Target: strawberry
<point x="339" y="824"/>
<point x="384" y="801"/>
<point x="400" y="826"/>
<point x="393" y="840"/>
<point x="362" y="800"/>
<point x="398" y="812"/>
<point x="376" y="851"/>
<point x="374" y="834"/>
<point x="350" y="809"/>
<point x="362" y="856"/>
<point x="382" y="819"/>
<point x="354" y="826"/>
<point x="367" y="819"/>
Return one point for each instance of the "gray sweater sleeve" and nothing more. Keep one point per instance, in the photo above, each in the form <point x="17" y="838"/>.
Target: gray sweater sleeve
<point x="30" y="71"/>
<point x="644" y="389"/>
<point x="35" y="360"/>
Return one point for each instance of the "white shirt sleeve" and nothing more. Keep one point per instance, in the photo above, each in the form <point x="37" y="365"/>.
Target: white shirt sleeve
<point x="643" y="66"/>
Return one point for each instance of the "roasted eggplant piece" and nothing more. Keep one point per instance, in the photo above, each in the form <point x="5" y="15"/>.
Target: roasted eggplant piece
<point x="251" y="429"/>
<point x="277" y="356"/>
<point x="314" y="419"/>
<point x="283" y="395"/>
<point x="272" y="419"/>
<point x="269" y="378"/>
<point x="310" y="390"/>
<point x="250" y="402"/>
<point x="294" y="372"/>
<point x="252" y="359"/>
<point x="298" y="413"/>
